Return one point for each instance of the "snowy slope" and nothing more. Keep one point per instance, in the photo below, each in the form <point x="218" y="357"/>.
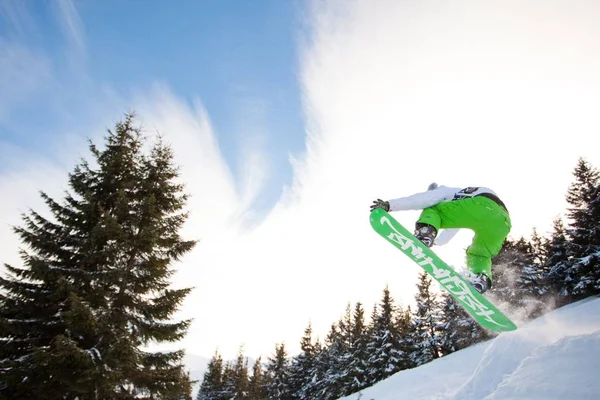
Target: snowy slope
<point x="556" y="356"/>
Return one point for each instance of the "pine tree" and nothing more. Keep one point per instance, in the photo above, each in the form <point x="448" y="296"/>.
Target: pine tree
<point x="518" y="278"/>
<point x="335" y="359"/>
<point x="450" y="328"/>
<point x="93" y="290"/>
<point x="278" y="372"/>
<point x="543" y="258"/>
<point x="426" y="319"/>
<point x="458" y="330"/>
<point x="257" y="383"/>
<point x="302" y="368"/>
<point x="583" y="232"/>
<point x="556" y="261"/>
<point x="507" y="266"/>
<point x="581" y="195"/>
<point x="386" y="357"/>
<point x="240" y="381"/>
<point x="405" y="328"/>
<point x="212" y="387"/>
<point x="539" y="245"/>
<point x="373" y="373"/>
<point x="532" y="271"/>
<point x="359" y="356"/>
<point x="345" y="328"/>
<point x="228" y="380"/>
<point x="317" y="372"/>
<point x="319" y="384"/>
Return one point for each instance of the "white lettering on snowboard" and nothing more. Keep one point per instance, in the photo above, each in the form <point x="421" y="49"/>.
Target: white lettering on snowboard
<point x="449" y="278"/>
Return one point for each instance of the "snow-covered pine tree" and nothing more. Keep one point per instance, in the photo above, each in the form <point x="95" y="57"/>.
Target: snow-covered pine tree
<point x="358" y="361"/>
<point x="372" y="373"/>
<point x="539" y="245"/>
<point x="451" y="329"/>
<point x="278" y="375"/>
<point x="583" y="231"/>
<point x="228" y="379"/>
<point x="239" y="378"/>
<point x="426" y="319"/>
<point x="321" y="386"/>
<point x="302" y="367"/>
<point x="345" y="326"/>
<point x="317" y="383"/>
<point x="335" y="357"/>
<point x="405" y="327"/>
<point x="408" y="338"/>
<point x="532" y="281"/>
<point x="539" y="282"/>
<point x="385" y="353"/>
<point x="457" y="329"/>
<point x="518" y="278"/>
<point x="556" y="262"/>
<point x="94" y="287"/>
<point x="257" y="387"/>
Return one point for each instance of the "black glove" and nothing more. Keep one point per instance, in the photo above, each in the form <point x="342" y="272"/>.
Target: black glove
<point x="384" y="205"/>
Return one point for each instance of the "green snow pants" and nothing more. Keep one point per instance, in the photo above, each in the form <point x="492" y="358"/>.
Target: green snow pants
<point x="490" y="222"/>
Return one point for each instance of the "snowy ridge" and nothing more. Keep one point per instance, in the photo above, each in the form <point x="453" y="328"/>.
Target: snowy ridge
<point x="556" y="356"/>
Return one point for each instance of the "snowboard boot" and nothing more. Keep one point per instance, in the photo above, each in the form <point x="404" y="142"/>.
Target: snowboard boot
<point x="480" y="282"/>
<point x="425" y="233"/>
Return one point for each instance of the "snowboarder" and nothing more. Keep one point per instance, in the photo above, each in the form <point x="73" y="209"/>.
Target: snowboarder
<point x="451" y="209"/>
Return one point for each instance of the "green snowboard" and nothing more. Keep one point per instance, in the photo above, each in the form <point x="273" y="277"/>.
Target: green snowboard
<point x="484" y="312"/>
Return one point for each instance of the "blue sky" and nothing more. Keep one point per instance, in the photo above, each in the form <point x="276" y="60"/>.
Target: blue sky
<point x="294" y="116"/>
<point x="237" y="56"/>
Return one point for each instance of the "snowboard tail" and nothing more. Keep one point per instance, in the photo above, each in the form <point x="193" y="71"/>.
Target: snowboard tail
<point x="478" y="307"/>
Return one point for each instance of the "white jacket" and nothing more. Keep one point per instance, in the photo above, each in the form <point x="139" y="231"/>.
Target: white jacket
<point x="419" y="201"/>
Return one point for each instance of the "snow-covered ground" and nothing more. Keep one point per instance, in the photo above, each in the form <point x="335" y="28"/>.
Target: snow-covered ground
<point x="555" y="357"/>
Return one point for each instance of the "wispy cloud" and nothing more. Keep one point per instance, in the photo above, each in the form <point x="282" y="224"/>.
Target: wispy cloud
<point x="188" y="128"/>
<point x="254" y="164"/>
<point x="28" y="70"/>
<point x="71" y="25"/>
<point x="17" y="17"/>
<point x="23" y="73"/>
